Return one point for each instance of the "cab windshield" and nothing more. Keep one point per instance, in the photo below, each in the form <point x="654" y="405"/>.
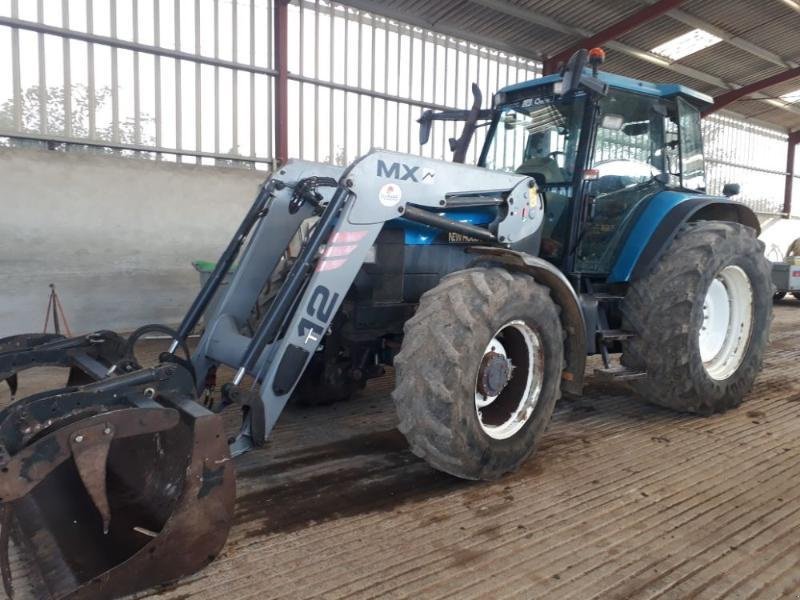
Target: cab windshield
<point x="538" y="137"/>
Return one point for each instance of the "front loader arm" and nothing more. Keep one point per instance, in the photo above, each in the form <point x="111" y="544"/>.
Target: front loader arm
<point x="127" y="457"/>
<point x="377" y="188"/>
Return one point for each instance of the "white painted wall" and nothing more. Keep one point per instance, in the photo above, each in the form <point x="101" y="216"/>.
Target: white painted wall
<point x="115" y="235"/>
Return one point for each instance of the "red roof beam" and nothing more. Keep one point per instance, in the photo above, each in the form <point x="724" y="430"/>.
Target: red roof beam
<point x="725" y="99"/>
<point x="633" y="21"/>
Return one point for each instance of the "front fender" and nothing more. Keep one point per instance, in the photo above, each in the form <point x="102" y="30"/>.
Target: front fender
<point x="660" y="221"/>
<point x="564" y="295"/>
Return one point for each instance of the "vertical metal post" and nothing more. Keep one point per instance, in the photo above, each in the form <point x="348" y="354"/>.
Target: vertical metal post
<point x="157" y="73"/>
<point x="373" y="124"/>
<point x="216" y="78"/>
<point x="794" y="139"/>
<point x="435" y="86"/>
<point x="476" y="137"/>
<point x="16" y="77"/>
<point x="115" y="129"/>
<point x="269" y="41"/>
<point x="67" y="71"/>
<point x="316" y="77"/>
<point x="396" y="104"/>
<point x="445" y="94"/>
<point x="234" y="79"/>
<point x="359" y="147"/>
<point x="252" y="106"/>
<point x="411" y="37"/>
<point x="346" y="25"/>
<point x="385" y="142"/>
<point x="178" y="84"/>
<point x="43" y="95"/>
<point x="281" y="51"/>
<point x="137" y="107"/>
<point x="301" y="86"/>
<point x="270" y="105"/>
<point x="331" y="115"/>
<point x="198" y="86"/>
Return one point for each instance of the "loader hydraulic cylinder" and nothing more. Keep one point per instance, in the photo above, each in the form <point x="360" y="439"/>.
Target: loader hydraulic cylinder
<point x="287" y="295"/>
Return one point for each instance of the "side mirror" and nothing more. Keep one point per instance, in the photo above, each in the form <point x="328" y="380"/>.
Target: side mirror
<point x="425" y="122"/>
<point x="573" y="71"/>
<point x="731" y="189"/>
<point x="662" y="178"/>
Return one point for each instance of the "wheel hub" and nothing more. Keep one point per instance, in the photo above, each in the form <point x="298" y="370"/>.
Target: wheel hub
<point x="727" y="322"/>
<point x="509" y="380"/>
<point x="493" y="374"/>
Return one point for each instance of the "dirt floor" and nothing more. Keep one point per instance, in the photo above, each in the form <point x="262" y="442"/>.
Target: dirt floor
<point x="622" y="500"/>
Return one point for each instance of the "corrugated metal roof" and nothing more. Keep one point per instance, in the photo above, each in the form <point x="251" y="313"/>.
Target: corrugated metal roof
<point x="542" y="28"/>
<point x="654" y="33"/>
<point x="731" y="64"/>
<point x="588" y="14"/>
<point x="769" y="23"/>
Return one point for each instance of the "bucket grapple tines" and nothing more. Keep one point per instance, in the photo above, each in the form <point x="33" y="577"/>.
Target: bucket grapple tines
<point x="126" y="484"/>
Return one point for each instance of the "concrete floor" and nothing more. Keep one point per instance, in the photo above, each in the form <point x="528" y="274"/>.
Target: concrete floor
<point x="622" y="500"/>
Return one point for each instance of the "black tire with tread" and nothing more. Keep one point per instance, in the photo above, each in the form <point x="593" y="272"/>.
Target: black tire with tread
<point x="665" y="311"/>
<point x="436" y="370"/>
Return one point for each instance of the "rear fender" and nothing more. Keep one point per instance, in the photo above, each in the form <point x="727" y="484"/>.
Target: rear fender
<point x="563" y="294"/>
<point x="660" y="222"/>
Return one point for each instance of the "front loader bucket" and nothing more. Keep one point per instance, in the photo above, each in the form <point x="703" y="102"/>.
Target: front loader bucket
<point x="102" y="519"/>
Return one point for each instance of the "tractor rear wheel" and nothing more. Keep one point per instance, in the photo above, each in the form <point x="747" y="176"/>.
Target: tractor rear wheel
<point x="479" y="372"/>
<point x="701" y="319"/>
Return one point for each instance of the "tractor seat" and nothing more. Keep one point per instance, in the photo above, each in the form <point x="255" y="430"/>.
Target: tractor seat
<point x="556" y="222"/>
<point x="543" y="169"/>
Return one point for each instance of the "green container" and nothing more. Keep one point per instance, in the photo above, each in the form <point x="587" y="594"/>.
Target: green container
<point x="204" y="269"/>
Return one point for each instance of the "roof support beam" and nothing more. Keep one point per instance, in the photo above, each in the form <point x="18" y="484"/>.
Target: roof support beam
<point x="640" y="17"/>
<point x="723" y="100"/>
<point x="542" y="20"/>
<point x="536" y="18"/>
<point x="727" y="37"/>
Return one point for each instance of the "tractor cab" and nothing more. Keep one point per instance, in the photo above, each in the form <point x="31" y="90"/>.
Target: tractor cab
<point x="600" y="147"/>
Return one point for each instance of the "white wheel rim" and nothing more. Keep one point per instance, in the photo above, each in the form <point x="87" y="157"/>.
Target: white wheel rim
<point x="727" y="323"/>
<point x="502" y="415"/>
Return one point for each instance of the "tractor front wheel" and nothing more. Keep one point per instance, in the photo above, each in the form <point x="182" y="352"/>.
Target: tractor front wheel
<point x="479" y="372"/>
<point x="701" y="319"/>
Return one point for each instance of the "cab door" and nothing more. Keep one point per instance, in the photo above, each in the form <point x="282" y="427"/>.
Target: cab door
<point x="637" y="136"/>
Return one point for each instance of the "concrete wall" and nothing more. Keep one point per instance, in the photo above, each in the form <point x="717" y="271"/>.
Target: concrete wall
<point x="115" y="235"/>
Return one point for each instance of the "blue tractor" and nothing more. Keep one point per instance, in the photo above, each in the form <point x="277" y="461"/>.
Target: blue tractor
<point x="585" y="229"/>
